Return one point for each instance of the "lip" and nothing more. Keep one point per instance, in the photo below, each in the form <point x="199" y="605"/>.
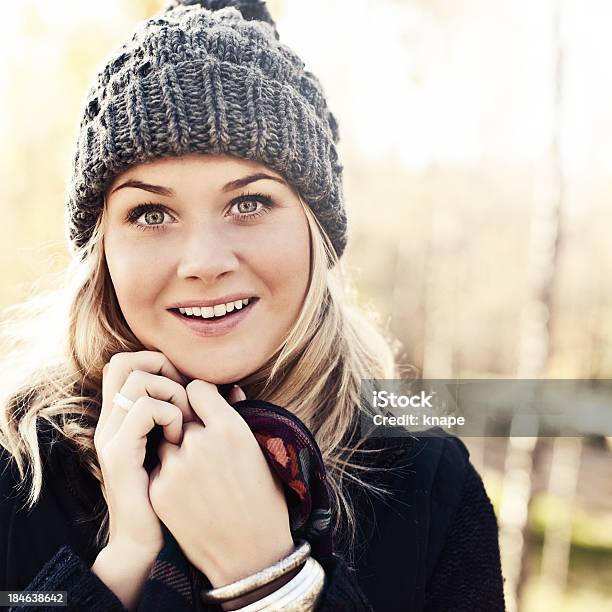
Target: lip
<point x="224" y="299"/>
<point x="216" y="327"/>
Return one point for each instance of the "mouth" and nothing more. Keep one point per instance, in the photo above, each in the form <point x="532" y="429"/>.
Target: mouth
<point x="208" y="323"/>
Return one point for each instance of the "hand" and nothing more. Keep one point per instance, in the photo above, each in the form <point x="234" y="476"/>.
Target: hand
<point x="155" y="385"/>
<point x="217" y="494"/>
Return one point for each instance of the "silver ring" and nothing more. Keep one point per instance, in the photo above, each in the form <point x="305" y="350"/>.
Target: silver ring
<point x="122" y="401"/>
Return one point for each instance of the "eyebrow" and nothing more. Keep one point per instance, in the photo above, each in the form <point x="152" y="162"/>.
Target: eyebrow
<point x="231" y="186"/>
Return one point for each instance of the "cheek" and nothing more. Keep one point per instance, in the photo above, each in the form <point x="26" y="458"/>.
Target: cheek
<point x="135" y="273"/>
<point x="284" y="263"/>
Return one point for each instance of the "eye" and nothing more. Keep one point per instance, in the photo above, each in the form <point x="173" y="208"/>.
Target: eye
<point x="250" y="205"/>
<point x="247" y="206"/>
<point x="153" y="214"/>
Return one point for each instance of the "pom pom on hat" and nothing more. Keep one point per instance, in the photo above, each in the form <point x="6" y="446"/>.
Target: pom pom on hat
<point x="251" y="10"/>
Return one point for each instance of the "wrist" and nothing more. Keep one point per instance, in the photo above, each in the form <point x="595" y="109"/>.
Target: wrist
<point x="124" y="568"/>
<point x="222" y="576"/>
<point x="131" y="552"/>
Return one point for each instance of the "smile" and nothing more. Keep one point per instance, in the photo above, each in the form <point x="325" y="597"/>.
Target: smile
<point x="217" y="320"/>
<point x="218" y="310"/>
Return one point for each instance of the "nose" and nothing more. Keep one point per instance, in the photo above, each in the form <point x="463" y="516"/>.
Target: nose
<point x="207" y="253"/>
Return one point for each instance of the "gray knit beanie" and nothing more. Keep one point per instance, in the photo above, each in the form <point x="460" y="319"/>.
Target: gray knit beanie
<point x="207" y="77"/>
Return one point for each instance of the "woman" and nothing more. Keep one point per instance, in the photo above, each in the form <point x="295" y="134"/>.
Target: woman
<point x="195" y="444"/>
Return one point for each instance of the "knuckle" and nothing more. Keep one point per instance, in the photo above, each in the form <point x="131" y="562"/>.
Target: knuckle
<point x="144" y="403"/>
<point x="137" y="377"/>
<point x="107" y="457"/>
<point x="178" y="413"/>
<point x="117" y="359"/>
<point x="177" y="392"/>
<point x="154" y="359"/>
<point x="192" y="385"/>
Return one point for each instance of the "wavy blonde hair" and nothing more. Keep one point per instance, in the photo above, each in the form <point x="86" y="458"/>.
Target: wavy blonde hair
<point x="316" y="372"/>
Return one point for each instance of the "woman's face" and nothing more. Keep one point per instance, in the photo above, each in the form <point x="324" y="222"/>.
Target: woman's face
<point x="211" y="231"/>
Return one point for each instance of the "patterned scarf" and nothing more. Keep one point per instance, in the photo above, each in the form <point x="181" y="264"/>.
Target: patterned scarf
<point x="292" y="452"/>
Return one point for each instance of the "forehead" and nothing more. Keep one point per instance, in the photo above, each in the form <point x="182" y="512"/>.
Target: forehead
<point x="213" y="168"/>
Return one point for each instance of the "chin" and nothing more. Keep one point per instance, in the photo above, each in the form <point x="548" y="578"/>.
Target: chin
<point x="215" y="376"/>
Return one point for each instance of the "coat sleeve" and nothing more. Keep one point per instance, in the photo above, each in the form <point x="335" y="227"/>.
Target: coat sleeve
<point x="64" y="570"/>
<point x="341" y="592"/>
<point x="467" y="575"/>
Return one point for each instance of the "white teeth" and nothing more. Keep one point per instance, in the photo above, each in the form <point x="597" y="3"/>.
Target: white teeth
<point x="218" y="310"/>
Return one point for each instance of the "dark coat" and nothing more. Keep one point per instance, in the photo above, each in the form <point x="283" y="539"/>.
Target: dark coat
<point x="432" y="546"/>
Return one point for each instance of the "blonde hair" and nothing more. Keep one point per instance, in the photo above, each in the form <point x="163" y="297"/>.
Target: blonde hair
<point x="316" y="373"/>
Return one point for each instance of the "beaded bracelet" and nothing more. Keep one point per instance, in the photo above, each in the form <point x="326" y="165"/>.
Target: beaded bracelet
<point x="255" y="581"/>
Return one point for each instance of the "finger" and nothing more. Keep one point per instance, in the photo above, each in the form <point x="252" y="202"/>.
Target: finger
<point x="236" y="394"/>
<point x="144" y="415"/>
<point x="140" y="384"/>
<point x="116" y="371"/>
<point x="121" y="365"/>
<point x="188" y="428"/>
<point x="206" y="401"/>
<point x="167" y="449"/>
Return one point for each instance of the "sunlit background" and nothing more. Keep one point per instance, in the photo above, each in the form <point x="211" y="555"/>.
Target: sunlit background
<point x="477" y="142"/>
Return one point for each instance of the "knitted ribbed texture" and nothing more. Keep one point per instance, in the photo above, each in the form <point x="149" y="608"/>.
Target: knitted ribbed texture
<point x="194" y="80"/>
<point x="471" y="550"/>
<point x="66" y="571"/>
<point x="87" y="593"/>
